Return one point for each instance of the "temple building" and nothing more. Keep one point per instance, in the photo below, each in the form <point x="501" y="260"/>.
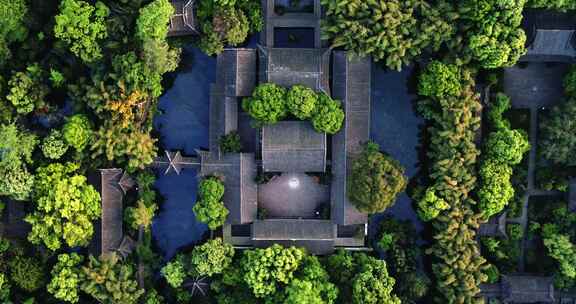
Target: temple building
<point x="289" y="184"/>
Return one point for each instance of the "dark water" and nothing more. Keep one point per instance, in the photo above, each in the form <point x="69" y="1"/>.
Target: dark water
<point x="183" y="126"/>
<point x="175" y="226"/>
<point x="395" y="127"/>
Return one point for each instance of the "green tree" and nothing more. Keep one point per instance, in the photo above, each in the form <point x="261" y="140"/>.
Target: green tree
<point x="230" y="143"/>
<point x="496" y="190"/>
<point x="159" y="57"/>
<point x="439" y="80"/>
<point x="376" y="180"/>
<point x="227" y="22"/>
<point x="264" y="269"/>
<point x="12" y="27"/>
<point x="141" y="215"/>
<point x="152" y="23"/>
<point x="560" y="5"/>
<point x="329" y="115"/>
<point x="299" y="291"/>
<point x="109" y="281"/>
<point x="392" y="31"/>
<point x="361" y="278"/>
<point x="27" y="89"/>
<point x="82" y="26"/>
<point x="174" y="272"/>
<point x="78" y="132"/>
<point x="66" y="278"/>
<point x="56" y="78"/>
<point x="209" y="208"/>
<point x="27" y="273"/>
<point x="507" y="146"/>
<point x="53" y="145"/>
<point x="374" y="285"/>
<point x="66" y="205"/>
<point x="301" y="101"/>
<point x="17" y="147"/>
<point x="211" y="258"/>
<point x="492" y="31"/>
<point x="558" y="134"/>
<point x="563" y="251"/>
<point x="4" y="287"/>
<point x="134" y="148"/>
<point x="267" y="104"/>
<point x="153" y="297"/>
<point x="135" y="75"/>
<point x="430" y="205"/>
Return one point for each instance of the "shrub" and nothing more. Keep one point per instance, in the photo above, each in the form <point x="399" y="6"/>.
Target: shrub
<point x="493" y="274"/>
<point x="27" y="273"/>
<point x="267" y="104"/>
<point x="439" y="80"/>
<point x="514" y="232"/>
<point x="507" y="146"/>
<point x="211" y="258"/>
<point x="66" y="278"/>
<point x="329" y="115"/>
<point x="27" y="90"/>
<point x="301" y="101"/>
<point x="53" y="146"/>
<point x="558" y="133"/>
<point x="152" y="23"/>
<point x="78" y="132"/>
<point x="496" y="190"/>
<point x="82" y="26"/>
<point x="376" y="180"/>
<point x="209" y="208"/>
<point x="174" y="273"/>
<point x="230" y="143"/>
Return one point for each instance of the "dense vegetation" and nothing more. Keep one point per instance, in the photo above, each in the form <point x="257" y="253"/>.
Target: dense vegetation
<point x="271" y="103"/>
<point x="484" y="32"/>
<point x="376" y="180"/>
<point x="503" y="149"/>
<point x="209" y="208"/>
<point x="557" y="140"/>
<point x="447" y="202"/>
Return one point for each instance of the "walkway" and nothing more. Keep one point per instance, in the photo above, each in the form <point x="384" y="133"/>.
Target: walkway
<point x="534" y="87"/>
<point x="292" y="195"/>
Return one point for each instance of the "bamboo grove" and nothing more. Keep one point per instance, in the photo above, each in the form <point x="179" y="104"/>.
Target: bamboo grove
<point x="453" y="117"/>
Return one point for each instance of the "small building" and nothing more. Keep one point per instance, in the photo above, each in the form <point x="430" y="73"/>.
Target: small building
<point x="521" y="289"/>
<point x="293" y="146"/>
<point x="109" y="237"/>
<point x="183" y="22"/>
<point x="351" y="83"/>
<point x="551" y="36"/>
<point x="288" y="67"/>
<point x="317" y="236"/>
<point x="496" y="226"/>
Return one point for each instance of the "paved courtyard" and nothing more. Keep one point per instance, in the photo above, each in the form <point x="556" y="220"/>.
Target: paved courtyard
<point x="536" y="85"/>
<point x="292" y="195"/>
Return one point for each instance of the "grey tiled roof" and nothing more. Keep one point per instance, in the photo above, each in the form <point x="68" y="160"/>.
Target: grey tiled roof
<point x="110" y="234"/>
<point x="236" y="71"/>
<point x="288" y="67"/>
<point x="223" y="116"/>
<point x="527" y="289"/>
<point x="351" y="85"/>
<point x="174" y="162"/>
<point x="183" y="22"/>
<point x="293" y="146"/>
<point x="317" y="236"/>
<point x="241" y="191"/>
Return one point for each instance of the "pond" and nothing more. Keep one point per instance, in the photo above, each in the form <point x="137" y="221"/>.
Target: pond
<point x="183" y="125"/>
<point x="395" y="126"/>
